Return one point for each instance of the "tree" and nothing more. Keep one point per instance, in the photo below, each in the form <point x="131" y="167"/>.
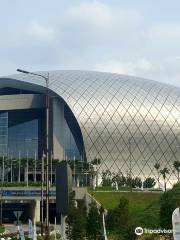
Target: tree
<point x="157" y="167"/>
<point x="123" y="212"/>
<point x="76" y="221"/>
<point x="96" y="161"/>
<point x="106" y="178"/>
<point x="169" y="202"/>
<point x="176" y="165"/>
<point x="118" y="217"/>
<point x="149" y="182"/>
<point x="76" y="229"/>
<point x="94" y="223"/>
<point x="164" y="173"/>
<point x="119" y="178"/>
<point x="118" y="221"/>
<point x="129" y="180"/>
<point x="136" y="182"/>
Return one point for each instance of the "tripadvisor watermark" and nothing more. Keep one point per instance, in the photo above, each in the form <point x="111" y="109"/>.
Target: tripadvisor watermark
<point x="139" y="231"/>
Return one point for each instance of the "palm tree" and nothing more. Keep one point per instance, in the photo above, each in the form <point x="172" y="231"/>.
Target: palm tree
<point x="176" y="165"/>
<point x="164" y="173"/>
<point x="157" y="167"/>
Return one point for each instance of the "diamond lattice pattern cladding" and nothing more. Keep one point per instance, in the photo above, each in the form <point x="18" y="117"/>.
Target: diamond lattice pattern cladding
<point x="124" y="120"/>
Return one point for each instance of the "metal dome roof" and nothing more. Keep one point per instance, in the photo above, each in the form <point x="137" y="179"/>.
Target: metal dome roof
<point x="121" y="117"/>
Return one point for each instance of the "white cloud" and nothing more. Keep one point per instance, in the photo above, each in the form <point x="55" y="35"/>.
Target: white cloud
<point x="96" y="35"/>
<point x="97" y="23"/>
<point x="162" y="40"/>
<point x="28" y="34"/>
<point x="94" y="14"/>
<point x="166" y="70"/>
<point x="40" y="32"/>
<point x="165" y="32"/>
<point x="131" y="68"/>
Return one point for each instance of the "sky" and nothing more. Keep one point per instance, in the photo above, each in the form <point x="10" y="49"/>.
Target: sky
<point x="133" y="37"/>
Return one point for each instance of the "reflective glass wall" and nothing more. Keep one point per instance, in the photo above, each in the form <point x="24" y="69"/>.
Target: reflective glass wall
<point x="21" y="133"/>
<point x="23" y="138"/>
<point x="70" y="148"/>
<point x="3" y="133"/>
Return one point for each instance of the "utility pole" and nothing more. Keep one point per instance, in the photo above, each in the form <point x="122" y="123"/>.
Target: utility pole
<point x="2" y="182"/>
<point x="3" y="169"/>
<point x="46" y="78"/>
<point x="47" y="156"/>
<point x="74" y="169"/>
<point x="130" y="163"/>
<point x="51" y="168"/>
<point x="27" y="169"/>
<point x="19" y="177"/>
<point x="11" y="169"/>
<point x="35" y="158"/>
<point x="42" y="194"/>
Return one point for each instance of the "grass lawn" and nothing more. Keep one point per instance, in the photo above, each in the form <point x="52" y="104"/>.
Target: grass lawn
<point x="143" y="206"/>
<point x="109" y="188"/>
<point x="2" y="229"/>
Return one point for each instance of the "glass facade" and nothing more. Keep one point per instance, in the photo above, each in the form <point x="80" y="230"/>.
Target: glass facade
<point x="3" y="133"/>
<point x="73" y="143"/>
<point x="70" y="146"/>
<point x="23" y="139"/>
<point x="21" y="133"/>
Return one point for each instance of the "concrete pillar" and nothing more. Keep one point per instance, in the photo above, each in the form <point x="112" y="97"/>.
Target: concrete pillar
<point x="58" y="129"/>
<point x="63" y="227"/>
<point x="37" y="210"/>
<point x="77" y="182"/>
<point x="25" y="174"/>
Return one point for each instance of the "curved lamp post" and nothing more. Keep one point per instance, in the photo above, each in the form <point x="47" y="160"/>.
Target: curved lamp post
<point x="46" y="78"/>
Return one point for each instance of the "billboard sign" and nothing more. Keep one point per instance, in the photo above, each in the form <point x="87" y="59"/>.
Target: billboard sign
<point x="63" y="187"/>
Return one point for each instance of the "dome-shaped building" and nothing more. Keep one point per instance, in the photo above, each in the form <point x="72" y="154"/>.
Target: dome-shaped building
<point x="129" y="123"/>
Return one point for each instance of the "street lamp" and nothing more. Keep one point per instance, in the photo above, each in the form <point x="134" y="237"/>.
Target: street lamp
<point x="46" y="78"/>
<point x="2" y="183"/>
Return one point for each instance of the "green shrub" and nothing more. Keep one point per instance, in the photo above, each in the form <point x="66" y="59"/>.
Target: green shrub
<point x="169" y="201"/>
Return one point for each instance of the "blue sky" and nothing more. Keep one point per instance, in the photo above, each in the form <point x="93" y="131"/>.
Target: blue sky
<point x="140" y="38"/>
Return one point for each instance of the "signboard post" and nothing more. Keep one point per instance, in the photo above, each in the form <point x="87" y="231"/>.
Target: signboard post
<point x="63" y="190"/>
<point x="104" y="228"/>
<point x="30" y="229"/>
<point x="176" y="224"/>
<point x="34" y="232"/>
<point x="55" y="238"/>
<point x="17" y="215"/>
<point x="21" y="232"/>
